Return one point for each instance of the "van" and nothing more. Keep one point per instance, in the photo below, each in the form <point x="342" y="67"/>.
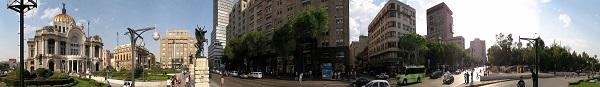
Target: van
<point x="257" y="75"/>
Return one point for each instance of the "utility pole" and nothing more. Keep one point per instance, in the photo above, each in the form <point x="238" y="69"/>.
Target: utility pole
<point x="22" y="7"/>
<point x="134" y="35"/>
<point x="536" y="59"/>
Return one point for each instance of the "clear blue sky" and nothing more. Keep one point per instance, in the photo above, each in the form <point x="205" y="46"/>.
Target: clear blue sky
<point x="108" y="17"/>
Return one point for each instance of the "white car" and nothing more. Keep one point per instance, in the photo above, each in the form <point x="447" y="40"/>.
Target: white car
<point x="257" y="75"/>
<point x="234" y="73"/>
<point x="377" y="83"/>
<point x="243" y="76"/>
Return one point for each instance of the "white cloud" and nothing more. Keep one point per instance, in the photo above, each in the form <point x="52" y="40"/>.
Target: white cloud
<point x="361" y="14"/>
<point x="545" y="1"/>
<point x="31" y="13"/>
<point x="574" y="43"/>
<point x="96" y="20"/>
<point x="76" y="9"/>
<point x="50" y="13"/>
<point x="79" y="22"/>
<point x="485" y="17"/>
<point x="29" y="28"/>
<point x="565" y="18"/>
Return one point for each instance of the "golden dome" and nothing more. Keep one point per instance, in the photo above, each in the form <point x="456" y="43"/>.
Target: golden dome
<point x="63" y="18"/>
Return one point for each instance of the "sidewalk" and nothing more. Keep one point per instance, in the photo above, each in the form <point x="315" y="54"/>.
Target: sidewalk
<point x="119" y="83"/>
<point x="481" y="83"/>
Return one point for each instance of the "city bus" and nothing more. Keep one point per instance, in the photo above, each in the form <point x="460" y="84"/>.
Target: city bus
<point x="410" y="74"/>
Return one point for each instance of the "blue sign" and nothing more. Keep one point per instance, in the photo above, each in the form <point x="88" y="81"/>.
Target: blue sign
<point x="326" y="65"/>
<point x="326" y="73"/>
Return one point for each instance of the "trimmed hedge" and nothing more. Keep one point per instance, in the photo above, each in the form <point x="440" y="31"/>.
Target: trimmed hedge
<point x="59" y="76"/>
<point x="51" y="82"/>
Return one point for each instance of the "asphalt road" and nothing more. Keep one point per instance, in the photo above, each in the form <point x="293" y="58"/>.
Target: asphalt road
<point x="264" y="82"/>
<point x="544" y="82"/>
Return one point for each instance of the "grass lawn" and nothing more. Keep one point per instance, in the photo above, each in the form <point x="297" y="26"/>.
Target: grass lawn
<point x="87" y="83"/>
<point x="586" y="84"/>
<point x="154" y="77"/>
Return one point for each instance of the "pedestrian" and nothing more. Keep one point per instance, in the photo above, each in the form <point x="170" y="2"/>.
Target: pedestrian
<point x="106" y="80"/>
<point x="222" y="81"/>
<point x="521" y="83"/>
<point x="187" y="80"/>
<point x="472" y="71"/>
<point x="301" y="78"/>
<point x="467" y="77"/>
<point x="296" y="76"/>
<point x="169" y="82"/>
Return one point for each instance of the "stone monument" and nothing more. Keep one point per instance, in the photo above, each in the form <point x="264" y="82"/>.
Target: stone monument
<point x="199" y="65"/>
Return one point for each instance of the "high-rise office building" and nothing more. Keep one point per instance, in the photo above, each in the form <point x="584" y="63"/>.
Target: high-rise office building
<point x="267" y="15"/>
<point x="478" y="49"/>
<point x="394" y="20"/>
<point x="357" y="47"/>
<point x="439" y="23"/>
<point x="221" y="10"/>
<point x="458" y="40"/>
<point x="175" y="49"/>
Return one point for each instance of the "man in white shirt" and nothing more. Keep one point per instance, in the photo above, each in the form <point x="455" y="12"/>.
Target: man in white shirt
<point x="169" y="82"/>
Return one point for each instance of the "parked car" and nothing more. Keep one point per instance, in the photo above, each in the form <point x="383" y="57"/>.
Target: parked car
<point x="257" y="75"/>
<point x="244" y="76"/>
<point x="382" y="76"/>
<point x="234" y="73"/>
<point x="359" y="82"/>
<point x="377" y="83"/>
<point x="448" y="79"/>
<point x="436" y="74"/>
<point x="456" y="72"/>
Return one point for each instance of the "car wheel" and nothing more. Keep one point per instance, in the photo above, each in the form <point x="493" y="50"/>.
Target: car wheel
<point x="419" y="79"/>
<point x="404" y="82"/>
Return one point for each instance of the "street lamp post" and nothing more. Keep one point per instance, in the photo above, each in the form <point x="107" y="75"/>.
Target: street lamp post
<point x="22" y="7"/>
<point x="133" y="36"/>
<point x="535" y="61"/>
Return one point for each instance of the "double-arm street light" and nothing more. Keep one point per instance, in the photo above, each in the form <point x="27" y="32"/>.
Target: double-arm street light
<point x="535" y="61"/>
<point x="22" y="7"/>
<point x="133" y="36"/>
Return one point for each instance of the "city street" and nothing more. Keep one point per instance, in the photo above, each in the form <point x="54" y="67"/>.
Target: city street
<point x="264" y="82"/>
<point x="458" y="81"/>
<point x="544" y="82"/>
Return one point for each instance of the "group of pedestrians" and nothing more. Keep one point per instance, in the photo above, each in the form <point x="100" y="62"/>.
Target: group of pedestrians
<point x="469" y="77"/>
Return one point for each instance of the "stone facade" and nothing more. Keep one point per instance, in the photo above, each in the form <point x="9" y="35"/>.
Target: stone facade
<point x="122" y="55"/>
<point x="63" y="46"/>
<point x="175" y="49"/>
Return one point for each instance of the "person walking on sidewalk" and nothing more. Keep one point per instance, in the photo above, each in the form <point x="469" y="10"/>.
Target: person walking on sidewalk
<point x="169" y="81"/>
<point x="300" y="77"/>
<point x="466" y="77"/>
<point x="222" y="81"/>
<point x="521" y="83"/>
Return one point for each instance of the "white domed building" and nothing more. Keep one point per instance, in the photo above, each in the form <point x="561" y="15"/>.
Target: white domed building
<point x="63" y="46"/>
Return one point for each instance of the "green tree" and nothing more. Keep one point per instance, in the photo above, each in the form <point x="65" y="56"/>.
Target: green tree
<point x="454" y="53"/>
<point x="306" y="26"/>
<point x="236" y="51"/>
<point x="255" y="42"/>
<point x="281" y="42"/>
<point x="435" y="55"/>
<point x="413" y="44"/>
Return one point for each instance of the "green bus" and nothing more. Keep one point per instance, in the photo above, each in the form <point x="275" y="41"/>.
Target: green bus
<point x="410" y="74"/>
